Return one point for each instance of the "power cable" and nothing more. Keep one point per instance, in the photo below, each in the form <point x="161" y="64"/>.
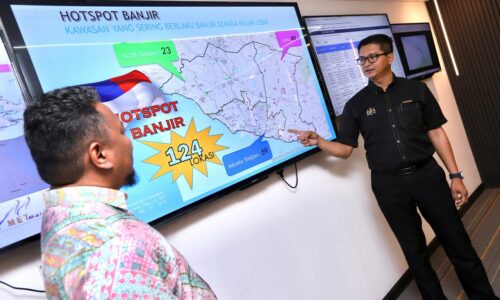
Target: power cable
<point x="22" y="288"/>
<point x="280" y="173"/>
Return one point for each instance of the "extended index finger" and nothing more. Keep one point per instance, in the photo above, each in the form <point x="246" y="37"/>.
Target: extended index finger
<point x="301" y="134"/>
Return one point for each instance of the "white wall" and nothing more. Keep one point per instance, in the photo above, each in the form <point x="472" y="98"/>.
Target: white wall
<point x="325" y="240"/>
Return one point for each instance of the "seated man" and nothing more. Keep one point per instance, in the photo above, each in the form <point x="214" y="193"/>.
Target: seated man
<point x="92" y="247"/>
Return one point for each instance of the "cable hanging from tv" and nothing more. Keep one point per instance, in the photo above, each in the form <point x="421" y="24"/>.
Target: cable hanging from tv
<point x="22" y="288"/>
<point x="280" y="173"/>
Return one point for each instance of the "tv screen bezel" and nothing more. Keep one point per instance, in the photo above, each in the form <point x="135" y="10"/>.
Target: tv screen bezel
<point x="424" y="72"/>
<point x="23" y="60"/>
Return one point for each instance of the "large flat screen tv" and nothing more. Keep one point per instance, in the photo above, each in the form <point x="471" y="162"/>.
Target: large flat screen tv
<point x="20" y="197"/>
<point x="206" y="91"/>
<point x="335" y="41"/>
<point x="417" y="50"/>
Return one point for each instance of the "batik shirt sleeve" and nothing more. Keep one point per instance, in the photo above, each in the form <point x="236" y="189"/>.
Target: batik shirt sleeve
<point x="96" y="251"/>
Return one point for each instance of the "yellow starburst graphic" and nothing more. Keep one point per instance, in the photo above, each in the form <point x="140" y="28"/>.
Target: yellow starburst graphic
<point x="186" y="153"/>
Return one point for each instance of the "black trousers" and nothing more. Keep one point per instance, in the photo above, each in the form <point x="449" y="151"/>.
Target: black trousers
<point x="398" y="197"/>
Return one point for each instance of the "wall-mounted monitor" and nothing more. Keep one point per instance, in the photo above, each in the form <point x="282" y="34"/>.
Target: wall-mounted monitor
<point x="417" y="50"/>
<point x="335" y="41"/>
<point x="205" y="90"/>
<point x="21" y="205"/>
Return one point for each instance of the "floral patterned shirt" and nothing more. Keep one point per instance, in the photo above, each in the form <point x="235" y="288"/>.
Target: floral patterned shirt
<point x="93" y="248"/>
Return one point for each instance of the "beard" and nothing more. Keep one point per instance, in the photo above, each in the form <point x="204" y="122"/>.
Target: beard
<point x="131" y="179"/>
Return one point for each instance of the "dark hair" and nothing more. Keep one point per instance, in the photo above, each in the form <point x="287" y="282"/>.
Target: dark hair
<point x="58" y="127"/>
<point x="384" y="41"/>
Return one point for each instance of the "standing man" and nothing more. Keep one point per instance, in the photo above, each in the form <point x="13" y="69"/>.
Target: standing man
<point x="400" y="122"/>
<point x="92" y="247"/>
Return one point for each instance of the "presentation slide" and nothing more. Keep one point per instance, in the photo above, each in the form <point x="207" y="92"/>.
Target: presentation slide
<point x="206" y="93"/>
<point x="21" y="206"/>
<point x="335" y="40"/>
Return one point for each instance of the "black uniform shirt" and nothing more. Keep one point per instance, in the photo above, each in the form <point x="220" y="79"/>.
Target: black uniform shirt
<point x="394" y="124"/>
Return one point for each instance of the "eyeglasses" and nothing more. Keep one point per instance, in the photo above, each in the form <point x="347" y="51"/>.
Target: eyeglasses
<point x="372" y="57"/>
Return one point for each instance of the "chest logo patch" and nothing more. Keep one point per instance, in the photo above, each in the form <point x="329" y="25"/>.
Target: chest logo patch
<point x="370" y="111"/>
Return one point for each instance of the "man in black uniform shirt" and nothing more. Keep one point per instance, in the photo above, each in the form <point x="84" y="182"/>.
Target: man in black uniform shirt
<point x="400" y="122"/>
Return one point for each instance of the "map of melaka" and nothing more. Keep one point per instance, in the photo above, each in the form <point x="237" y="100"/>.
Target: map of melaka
<point x="206" y="94"/>
<point x="18" y="175"/>
<point x="243" y="82"/>
<point x="248" y="89"/>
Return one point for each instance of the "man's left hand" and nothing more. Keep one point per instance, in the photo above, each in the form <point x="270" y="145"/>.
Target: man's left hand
<point x="459" y="192"/>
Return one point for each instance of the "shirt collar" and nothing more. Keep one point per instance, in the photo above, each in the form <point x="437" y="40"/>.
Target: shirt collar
<point x="85" y="194"/>
<point x="377" y="90"/>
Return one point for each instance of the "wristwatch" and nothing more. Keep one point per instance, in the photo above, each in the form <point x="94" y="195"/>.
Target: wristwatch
<point x="456" y="175"/>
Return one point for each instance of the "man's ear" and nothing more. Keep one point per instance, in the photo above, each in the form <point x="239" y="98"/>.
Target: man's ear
<point x="391" y="57"/>
<point x="99" y="156"/>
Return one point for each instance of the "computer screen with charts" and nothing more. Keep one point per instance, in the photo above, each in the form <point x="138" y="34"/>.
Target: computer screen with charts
<point x="335" y="41"/>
